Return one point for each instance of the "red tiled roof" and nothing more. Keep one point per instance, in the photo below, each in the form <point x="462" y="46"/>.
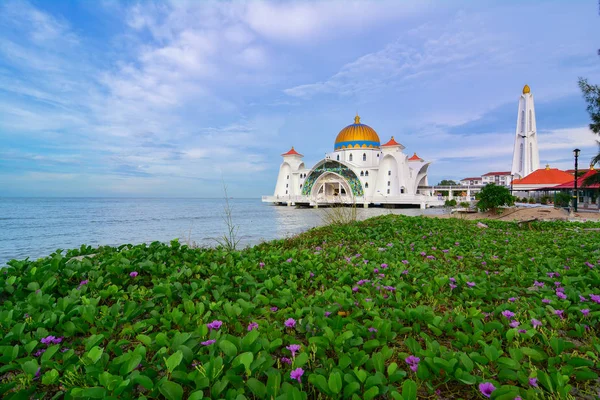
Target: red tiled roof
<point x="497" y="173"/>
<point x="545" y="176"/>
<point x="571" y="184"/>
<point x="391" y="142"/>
<point x="415" y="157"/>
<point x="472" y="179"/>
<point x="292" y="152"/>
<point x="572" y="171"/>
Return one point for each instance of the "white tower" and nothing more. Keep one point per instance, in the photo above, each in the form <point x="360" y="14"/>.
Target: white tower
<point x="526" y="156"/>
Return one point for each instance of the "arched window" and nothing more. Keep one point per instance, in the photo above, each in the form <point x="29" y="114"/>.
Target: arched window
<point x="350" y="158"/>
<point x="286" y="185"/>
<point x="364" y="156"/>
<point x="362" y="173"/>
<point x="531" y="156"/>
<point x="366" y="173"/>
<point x="388" y="192"/>
<point x="389" y="173"/>
<point x="388" y="183"/>
<point x="338" y="157"/>
<point x="402" y="189"/>
<point x="288" y="177"/>
<point x="522" y="121"/>
<point x="286" y="192"/>
<point x="530" y="121"/>
<point x="377" y="155"/>
<point x="521" y="155"/>
<point x="300" y="186"/>
<point x="367" y="185"/>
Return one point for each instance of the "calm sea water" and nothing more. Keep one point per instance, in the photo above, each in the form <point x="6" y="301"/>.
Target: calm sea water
<point x="36" y="227"/>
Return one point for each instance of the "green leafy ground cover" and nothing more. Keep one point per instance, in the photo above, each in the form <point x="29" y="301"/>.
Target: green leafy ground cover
<point x="391" y="308"/>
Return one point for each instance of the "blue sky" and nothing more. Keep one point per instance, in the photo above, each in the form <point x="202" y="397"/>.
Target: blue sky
<point x="111" y="98"/>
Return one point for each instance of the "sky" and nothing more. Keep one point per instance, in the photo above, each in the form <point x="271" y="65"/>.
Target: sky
<point x="181" y="98"/>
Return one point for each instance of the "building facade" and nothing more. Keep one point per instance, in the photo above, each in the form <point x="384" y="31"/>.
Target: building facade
<point x="499" y="178"/>
<point x="360" y="170"/>
<point x="475" y="181"/>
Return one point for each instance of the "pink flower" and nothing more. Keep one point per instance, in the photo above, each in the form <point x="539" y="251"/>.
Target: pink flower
<point x="533" y="382"/>
<point x="261" y="264"/>
<point x="286" y="360"/>
<point x="486" y="389"/>
<point x="290" y="322"/>
<point x="508" y="314"/>
<point x="413" y="362"/>
<point x="48" y="339"/>
<point x="293" y="348"/>
<point x="595" y="298"/>
<point x="384" y="266"/>
<point x="514" y="324"/>
<point x="297" y="374"/>
<point x="273" y="309"/>
<point x="585" y="311"/>
<point x="546" y="301"/>
<point x="452" y="286"/>
<point x="512" y="299"/>
<point x="289" y="260"/>
<point x="133" y="274"/>
<point x="252" y="326"/>
<point x="216" y="324"/>
<point x="470" y="284"/>
<point x="208" y="342"/>
<point x="535" y="323"/>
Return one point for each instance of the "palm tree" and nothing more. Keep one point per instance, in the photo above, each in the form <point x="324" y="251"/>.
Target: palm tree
<point x="591" y="94"/>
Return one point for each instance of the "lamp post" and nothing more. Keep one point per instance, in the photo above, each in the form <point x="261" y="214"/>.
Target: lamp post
<point x="512" y="178"/>
<point x="576" y="154"/>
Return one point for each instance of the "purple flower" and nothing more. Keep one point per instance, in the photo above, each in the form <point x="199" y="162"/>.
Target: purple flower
<point x="261" y="264"/>
<point x="582" y="299"/>
<point x="286" y="360"/>
<point x="384" y="266"/>
<point x="470" y="284"/>
<point x="459" y="257"/>
<point x="533" y="382"/>
<point x="312" y="275"/>
<point x="539" y="284"/>
<point x="355" y="289"/>
<point x="413" y="362"/>
<point x="585" y="311"/>
<point x="289" y="260"/>
<point x="293" y="348"/>
<point x="512" y="299"/>
<point x="486" y="389"/>
<point x="84" y="282"/>
<point x="327" y="313"/>
<point x="559" y="313"/>
<point x="557" y="284"/>
<point x="508" y="314"/>
<point x="376" y="270"/>
<point x="404" y="261"/>
<point x="445" y="251"/>
<point x="297" y="374"/>
<point x="589" y="264"/>
<point x="252" y="326"/>
<point x="453" y="280"/>
<point x="48" y="339"/>
<point x="273" y="309"/>
<point x="423" y="253"/>
<point x="546" y="301"/>
<point x="550" y="274"/>
<point x="290" y="322"/>
<point x="39" y="352"/>
<point x="430" y="257"/>
<point x="133" y="274"/>
<point x="405" y="272"/>
<point x="57" y="340"/>
<point x="522" y="331"/>
<point x="216" y="324"/>
<point x="514" y="323"/>
<point x="37" y="373"/>
<point x="208" y="342"/>
<point x="371" y="329"/>
<point x="561" y="295"/>
<point x="452" y="286"/>
<point x="595" y="298"/>
<point x="64" y="350"/>
<point x="535" y="323"/>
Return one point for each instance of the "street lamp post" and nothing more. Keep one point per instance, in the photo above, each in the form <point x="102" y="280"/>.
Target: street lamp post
<point x="512" y="178"/>
<point x="576" y="196"/>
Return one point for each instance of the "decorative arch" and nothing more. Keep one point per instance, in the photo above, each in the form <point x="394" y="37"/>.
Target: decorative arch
<point x="338" y="168"/>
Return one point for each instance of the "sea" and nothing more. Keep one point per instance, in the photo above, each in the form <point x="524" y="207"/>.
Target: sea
<point x="36" y="227"/>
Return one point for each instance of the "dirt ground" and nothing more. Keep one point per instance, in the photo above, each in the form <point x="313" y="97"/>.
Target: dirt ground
<point x="524" y="214"/>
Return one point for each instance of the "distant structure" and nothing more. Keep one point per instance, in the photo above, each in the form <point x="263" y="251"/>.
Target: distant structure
<point x="360" y="171"/>
<point x="526" y="156"/>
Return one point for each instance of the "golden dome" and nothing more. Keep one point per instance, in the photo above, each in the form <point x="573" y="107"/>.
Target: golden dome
<point x="526" y="89"/>
<point x="357" y="136"/>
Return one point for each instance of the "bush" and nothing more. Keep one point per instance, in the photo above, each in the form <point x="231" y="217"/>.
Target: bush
<point x="545" y="199"/>
<point x="492" y="196"/>
<point x="465" y="204"/>
<point x="562" y="199"/>
<point x="450" y="203"/>
<point x="532" y="201"/>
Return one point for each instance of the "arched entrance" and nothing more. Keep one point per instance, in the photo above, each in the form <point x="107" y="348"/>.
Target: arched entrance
<point x="331" y="188"/>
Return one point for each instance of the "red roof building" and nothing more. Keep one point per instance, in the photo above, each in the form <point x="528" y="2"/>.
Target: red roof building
<point x="391" y="142"/>
<point x="292" y="152"/>
<point x="571" y="184"/>
<point x="541" y="178"/>
<point x="415" y="157"/>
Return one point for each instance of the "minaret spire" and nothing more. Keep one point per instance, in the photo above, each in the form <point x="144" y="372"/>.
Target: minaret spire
<point x="526" y="156"/>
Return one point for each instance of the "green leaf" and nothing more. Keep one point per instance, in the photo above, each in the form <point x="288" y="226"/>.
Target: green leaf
<point x="197" y="395"/>
<point x="351" y="388"/>
<point x="257" y="387"/>
<point x="93" y="393"/>
<point x="320" y="382"/>
<point x="371" y="393"/>
<point x="300" y="360"/>
<point x="409" y="390"/>
<point x="250" y="338"/>
<point x="173" y="361"/>
<point x="50" y="377"/>
<point x="144" y="381"/>
<point x="94" y="354"/>
<point x="147" y="340"/>
<point x="244" y="359"/>
<point x="228" y="348"/>
<point x="335" y="382"/>
<point x="273" y="383"/>
<point x="466" y="362"/>
<point x="133" y="362"/>
<point x="50" y="351"/>
<point x="171" y="390"/>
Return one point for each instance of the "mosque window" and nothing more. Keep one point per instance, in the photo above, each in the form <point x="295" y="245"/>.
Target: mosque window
<point x="338" y="157"/>
<point x="531" y="156"/>
<point x="523" y="121"/>
<point x="343" y="191"/>
<point x="389" y="173"/>
<point x="364" y="156"/>
<point x="288" y="177"/>
<point x="530" y="121"/>
<point x="389" y="183"/>
<point x="388" y="192"/>
<point x="286" y="192"/>
<point x="300" y="186"/>
<point x="521" y="156"/>
<point x="367" y="185"/>
<point x="286" y="185"/>
<point x="362" y="173"/>
<point x="366" y="173"/>
<point x="402" y="190"/>
<point x="377" y="155"/>
<point x="350" y="158"/>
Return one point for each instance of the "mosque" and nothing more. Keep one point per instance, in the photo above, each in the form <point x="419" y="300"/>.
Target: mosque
<point x="360" y="171"/>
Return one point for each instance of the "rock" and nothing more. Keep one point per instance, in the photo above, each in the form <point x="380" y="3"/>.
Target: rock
<point x="481" y="225"/>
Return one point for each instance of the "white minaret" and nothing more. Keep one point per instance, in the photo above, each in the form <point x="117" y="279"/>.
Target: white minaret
<point x="526" y="156"/>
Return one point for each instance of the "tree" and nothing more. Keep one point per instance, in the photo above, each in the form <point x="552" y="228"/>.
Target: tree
<point x="492" y="196"/>
<point x="591" y="94"/>
<point x="446" y="182"/>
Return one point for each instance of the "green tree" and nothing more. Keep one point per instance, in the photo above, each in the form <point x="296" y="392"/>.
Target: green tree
<point x="447" y="182"/>
<point x="492" y="196"/>
<point x="591" y="94"/>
